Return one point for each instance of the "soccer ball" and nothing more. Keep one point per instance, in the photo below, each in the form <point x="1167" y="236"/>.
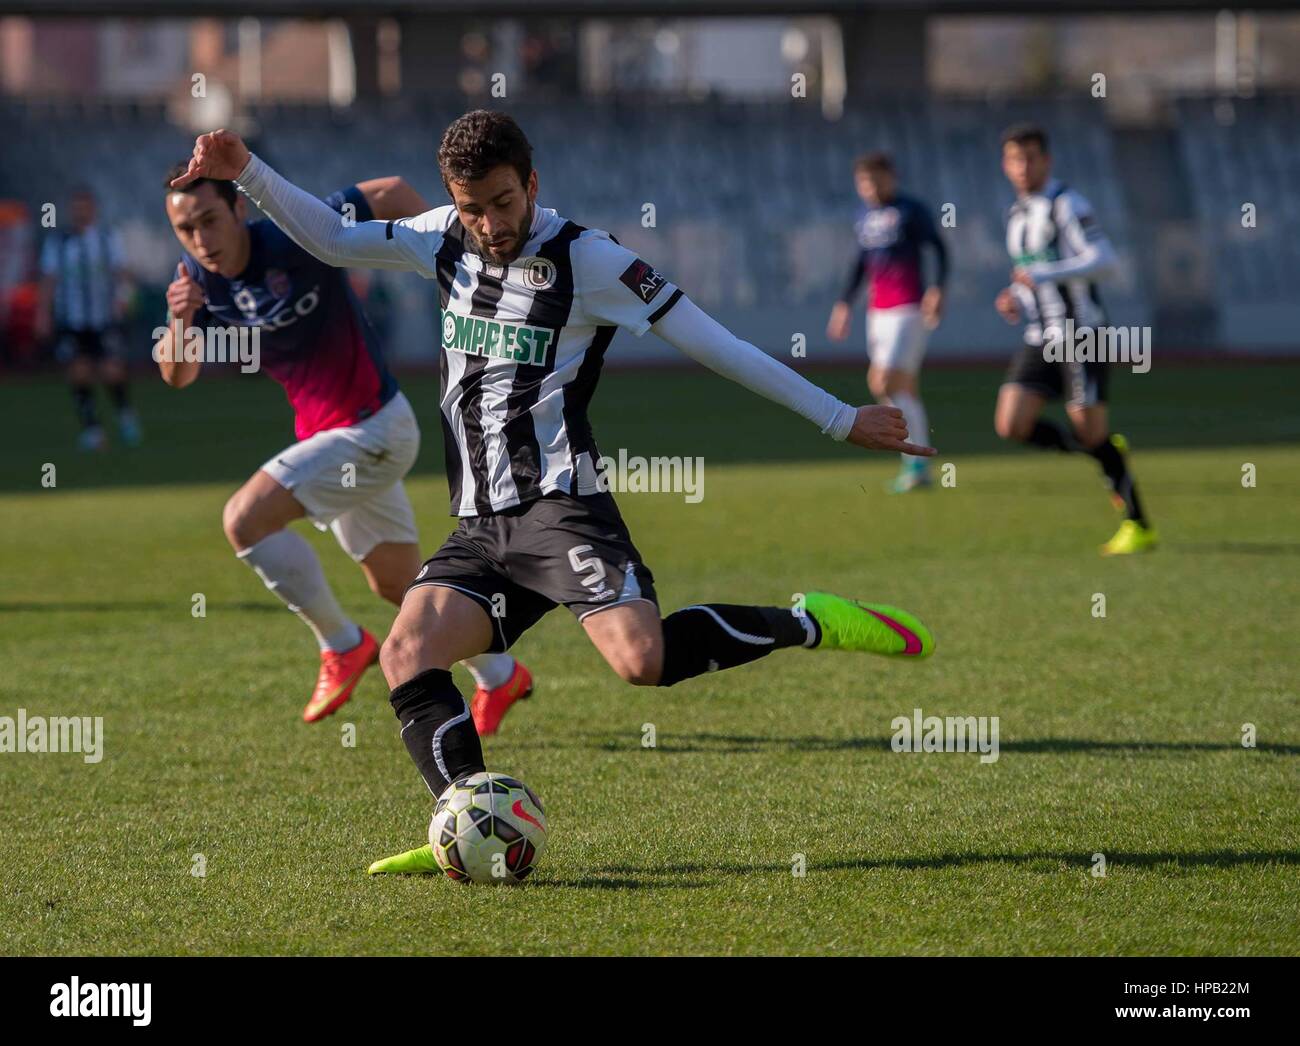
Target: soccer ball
<point x="487" y="828"/>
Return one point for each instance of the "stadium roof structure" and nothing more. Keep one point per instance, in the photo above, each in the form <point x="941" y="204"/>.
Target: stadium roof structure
<point x="606" y="8"/>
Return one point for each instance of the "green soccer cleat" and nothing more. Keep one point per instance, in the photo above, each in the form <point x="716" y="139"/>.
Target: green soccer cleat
<point x="872" y="628"/>
<point x="1131" y="537"/>
<point x="420" y="860"/>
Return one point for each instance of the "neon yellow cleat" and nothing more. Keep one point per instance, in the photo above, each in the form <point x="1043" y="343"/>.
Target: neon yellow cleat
<point x="872" y="628"/>
<point x="419" y="860"/>
<point x="1131" y="537"/>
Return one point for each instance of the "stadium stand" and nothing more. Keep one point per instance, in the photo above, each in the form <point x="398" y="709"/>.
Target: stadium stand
<point x="751" y="202"/>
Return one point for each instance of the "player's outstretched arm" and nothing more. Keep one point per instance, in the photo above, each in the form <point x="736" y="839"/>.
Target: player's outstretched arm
<point x="698" y="335"/>
<point x="313" y="225"/>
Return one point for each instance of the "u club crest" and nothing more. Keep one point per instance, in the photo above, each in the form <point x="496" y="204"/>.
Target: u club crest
<point x="539" y="273"/>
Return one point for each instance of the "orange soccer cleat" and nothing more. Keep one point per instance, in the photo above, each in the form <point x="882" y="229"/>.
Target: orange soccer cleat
<point x="490" y="706"/>
<point x="339" y="674"/>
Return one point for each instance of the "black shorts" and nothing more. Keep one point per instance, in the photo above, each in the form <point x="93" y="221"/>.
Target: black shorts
<point x="1080" y="384"/>
<point x="91" y="344"/>
<point x="525" y="561"/>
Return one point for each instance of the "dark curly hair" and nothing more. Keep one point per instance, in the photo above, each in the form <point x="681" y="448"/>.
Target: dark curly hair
<point x="479" y="141"/>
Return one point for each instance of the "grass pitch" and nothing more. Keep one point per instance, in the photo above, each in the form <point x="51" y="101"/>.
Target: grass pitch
<point x="1120" y="735"/>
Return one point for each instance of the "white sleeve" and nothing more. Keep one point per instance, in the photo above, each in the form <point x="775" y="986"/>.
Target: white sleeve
<point x="614" y="286"/>
<point x="410" y="243"/>
<point x="1091" y="253"/>
<point x="694" y="332"/>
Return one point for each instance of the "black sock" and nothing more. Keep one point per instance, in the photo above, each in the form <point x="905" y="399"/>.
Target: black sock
<point x="437" y="728"/>
<point x="1049" y="437"/>
<point x="84" y="397"/>
<point x="703" y="639"/>
<point x="120" y="399"/>
<point x="1121" y="480"/>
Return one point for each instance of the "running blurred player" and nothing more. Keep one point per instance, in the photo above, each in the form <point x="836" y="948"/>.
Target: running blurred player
<point x="891" y="231"/>
<point x="82" y="304"/>
<point x="357" y="434"/>
<point x="1059" y="252"/>
<point x="530" y="303"/>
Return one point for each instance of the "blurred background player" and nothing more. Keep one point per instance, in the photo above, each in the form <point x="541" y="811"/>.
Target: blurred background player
<point x="82" y="302"/>
<point x="1059" y="252"/>
<point x="358" y="436"/>
<point x="891" y="231"/>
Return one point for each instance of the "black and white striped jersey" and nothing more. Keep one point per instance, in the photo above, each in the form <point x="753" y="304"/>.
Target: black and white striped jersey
<point x="521" y="350"/>
<point x="1043" y="230"/>
<point x="84" y="266"/>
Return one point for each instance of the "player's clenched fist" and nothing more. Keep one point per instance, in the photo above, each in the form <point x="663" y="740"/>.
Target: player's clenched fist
<point x="219" y="154"/>
<point x="184" y="295"/>
<point x="883" y="428"/>
<point x="1006" y="305"/>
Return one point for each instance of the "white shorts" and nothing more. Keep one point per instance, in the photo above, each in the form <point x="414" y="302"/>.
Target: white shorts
<point x="896" y="338"/>
<point x="350" y="479"/>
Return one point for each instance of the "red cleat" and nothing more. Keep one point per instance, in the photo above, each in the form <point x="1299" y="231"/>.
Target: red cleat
<point x="339" y="674"/>
<point x="490" y="706"/>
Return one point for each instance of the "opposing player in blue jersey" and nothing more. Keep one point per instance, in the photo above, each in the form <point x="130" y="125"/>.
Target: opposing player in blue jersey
<point x="357" y="434"/>
<point x="891" y="230"/>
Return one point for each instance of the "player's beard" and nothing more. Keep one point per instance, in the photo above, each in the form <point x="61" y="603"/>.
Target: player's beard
<point x="521" y="235"/>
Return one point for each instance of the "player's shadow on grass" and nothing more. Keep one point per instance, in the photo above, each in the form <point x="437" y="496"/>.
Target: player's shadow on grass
<point x="125" y="606"/>
<point x="615" y="884"/>
<point x="1050" y="860"/>
<point x="741" y="744"/>
<point x="1243" y="548"/>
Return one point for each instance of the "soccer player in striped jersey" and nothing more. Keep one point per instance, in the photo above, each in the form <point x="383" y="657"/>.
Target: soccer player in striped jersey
<point x="892" y="230"/>
<point x="83" y="276"/>
<point x="530" y="303"/>
<point x="1058" y="253"/>
<point x="316" y="342"/>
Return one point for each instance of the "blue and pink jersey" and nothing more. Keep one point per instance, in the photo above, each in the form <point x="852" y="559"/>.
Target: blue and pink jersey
<point x="890" y="238"/>
<point x="315" y="340"/>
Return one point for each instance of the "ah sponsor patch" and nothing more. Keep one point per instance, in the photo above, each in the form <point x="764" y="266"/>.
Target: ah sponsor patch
<point x="642" y="280"/>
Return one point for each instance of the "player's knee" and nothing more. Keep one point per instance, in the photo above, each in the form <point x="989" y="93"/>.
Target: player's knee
<point x="878" y="384"/>
<point x="1090" y="436"/>
<point x="409" y="650"/>
<point x="238" y="523"/>
<point x="1012" y="428"/>
<point x="639" y="664"/>
<point x="400" y="654"/>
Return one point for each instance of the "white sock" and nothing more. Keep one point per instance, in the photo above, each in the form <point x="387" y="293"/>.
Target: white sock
<point x="490" y="670"/>
<point x="918" y="426"/>
<point x="291" y="570"/>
